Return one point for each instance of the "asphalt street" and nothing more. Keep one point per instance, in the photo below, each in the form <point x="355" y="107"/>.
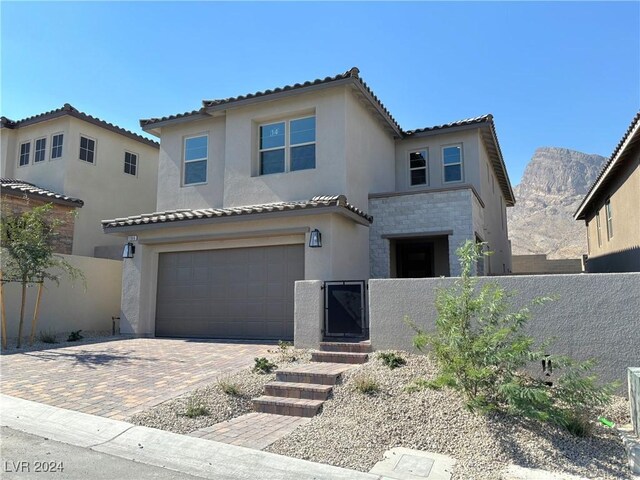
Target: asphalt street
<point x="22" y="454"/>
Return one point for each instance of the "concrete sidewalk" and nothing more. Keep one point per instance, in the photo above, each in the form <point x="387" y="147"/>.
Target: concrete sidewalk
<point x="188" y="455"/>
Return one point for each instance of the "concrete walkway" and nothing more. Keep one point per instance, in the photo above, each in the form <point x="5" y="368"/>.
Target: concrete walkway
<point x="188" y="455"/>
<point x="254" y="430"/>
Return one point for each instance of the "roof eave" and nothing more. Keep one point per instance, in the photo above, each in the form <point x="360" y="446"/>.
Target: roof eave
<point x="581" y="212"/>
<point x="75" y="203"/>
<point x="153" y="127"/>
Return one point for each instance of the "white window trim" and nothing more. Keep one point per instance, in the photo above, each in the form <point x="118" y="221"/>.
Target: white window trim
<point x="426" y="167"/>
<point x="61" y="150"/>
<point x="124" y="161"/>
<point x="444" y="181"/>
<point x="95" y="149"/>
<point x="35" y="147"/>
<point x="608" y="218"/>
<point x="287" y="145"/>
<point x="20" y="154"/>
<point x="598" y="228"/>
<point x="185" y="161"/>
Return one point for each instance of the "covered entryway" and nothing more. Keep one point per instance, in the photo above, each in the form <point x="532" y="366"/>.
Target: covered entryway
<point x="420" y="257"/>
<point x="237" y="293"/>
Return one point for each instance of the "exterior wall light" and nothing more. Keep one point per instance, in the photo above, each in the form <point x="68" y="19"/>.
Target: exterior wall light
<point x="129" y="250"/>
<point x="315" y="238"/>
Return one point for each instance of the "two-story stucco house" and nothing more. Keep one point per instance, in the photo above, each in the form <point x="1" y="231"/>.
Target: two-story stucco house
<point x="611" y="209"/>
<point x="112" y="170"/>
<point x="308" y="181"/>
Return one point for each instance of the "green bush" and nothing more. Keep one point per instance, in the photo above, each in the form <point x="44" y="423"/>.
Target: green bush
<point x="481" y="351"/>
<point x="284" y="351"/>
<point x="263" y="365"/>
<point x="366" y="385"/>
<point x="195" y="409"/>
<point x="75" y="336"/>
<point x="47" y="336"/>
<point x="229" y="387"/>
<point x="392" y="359"/>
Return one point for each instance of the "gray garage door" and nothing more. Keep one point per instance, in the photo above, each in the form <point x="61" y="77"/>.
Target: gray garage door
<point x="244" y="293"/>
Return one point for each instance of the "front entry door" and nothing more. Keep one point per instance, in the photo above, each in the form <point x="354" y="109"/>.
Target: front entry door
<point x="415" y="259"/>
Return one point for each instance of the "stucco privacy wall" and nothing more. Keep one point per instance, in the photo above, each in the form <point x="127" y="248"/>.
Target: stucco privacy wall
<point x="68" y="306"/>
<point x="596" y="316"/>
<point x="424" y="213"/>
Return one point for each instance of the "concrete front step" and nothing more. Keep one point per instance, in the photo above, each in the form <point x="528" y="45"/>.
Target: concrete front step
<point x="307" y="391"/>
<point x="339" y="357"/>
<point x="314" y="372"/>
<point x="298" y="407"/>
<point x="351" y="347"/>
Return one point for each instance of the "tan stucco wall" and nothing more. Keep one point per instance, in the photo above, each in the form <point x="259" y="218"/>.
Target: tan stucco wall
<point x="233" y="178"/>
<point x="624" y="193"/>
<point x="343" y="255"/>
<point x="106" y="190"/>
<point x="48" y="174"/>
<point x="68" y="306"/>
<point x="369" y="154"/>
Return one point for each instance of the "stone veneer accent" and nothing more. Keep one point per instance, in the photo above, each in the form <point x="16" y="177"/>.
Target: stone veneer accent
<point x="410" y="213"/>
<point x="63" y="242"/>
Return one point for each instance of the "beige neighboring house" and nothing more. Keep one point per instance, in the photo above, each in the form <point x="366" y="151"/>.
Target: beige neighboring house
<point x="312" y="181"/>
<point x="113" y="170"/>
<point x="611" y="209"/>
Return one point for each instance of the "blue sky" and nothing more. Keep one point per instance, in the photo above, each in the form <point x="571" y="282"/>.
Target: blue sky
<point x="552" y="74"/>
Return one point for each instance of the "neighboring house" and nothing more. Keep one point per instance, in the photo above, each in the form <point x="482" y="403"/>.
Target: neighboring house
<point x="19" y="196"/>
<point x="113" y="170"/>
<point x="611" y="209"/>
<point x="246" y="184"/>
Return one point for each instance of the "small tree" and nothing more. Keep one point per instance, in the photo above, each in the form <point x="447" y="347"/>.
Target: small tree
<point x="28" y="257"/>
<point x="481" y="351"/>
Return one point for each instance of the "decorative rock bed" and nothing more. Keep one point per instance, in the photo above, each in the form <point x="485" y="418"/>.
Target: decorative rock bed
<point x="354" y="430"/>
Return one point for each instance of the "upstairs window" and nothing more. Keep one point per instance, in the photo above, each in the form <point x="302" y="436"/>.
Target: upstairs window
<point x="452" y="163"/>
<point x="196" y="152"/>
<point x="609" y="216"/>
<point x="87" y="149"/>
<point x="288" y="146"/>
<point x="130" y="163"/>
<point x="25" y="150"/>
<point x="40" y="150"/>
<point x="418" y="169"/>
<point x="56" y="145"/>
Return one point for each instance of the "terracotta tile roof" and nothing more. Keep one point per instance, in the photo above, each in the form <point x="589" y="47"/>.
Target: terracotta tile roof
<point x="197" y="214"/>
<point x="609" y="165"/>
<point x="11" y="186"/>
<point x="353" y="73"/>
<point x="67" y="109"/>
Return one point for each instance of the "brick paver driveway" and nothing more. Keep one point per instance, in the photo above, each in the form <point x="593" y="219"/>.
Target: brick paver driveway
<point x="118" y="378"/>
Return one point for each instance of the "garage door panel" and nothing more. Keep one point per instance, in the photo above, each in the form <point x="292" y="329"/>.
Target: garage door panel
<point x="232" y="293"/>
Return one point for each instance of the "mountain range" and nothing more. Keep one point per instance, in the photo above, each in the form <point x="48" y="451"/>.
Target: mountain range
<point x="554" y="183"/>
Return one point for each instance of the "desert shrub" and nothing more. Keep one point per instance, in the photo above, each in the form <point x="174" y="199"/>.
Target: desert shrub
<point x="481" y="351"/>
<point x="75" y="336"/>
<point x="47" y="336"/>
<point x="263" y="365"/>
<point x="284" y="351"/>
<point x="195" y="409"/>
<point x="392" y="359"/>
<point x="229" y="387"/>
<point x="366" y="385"/>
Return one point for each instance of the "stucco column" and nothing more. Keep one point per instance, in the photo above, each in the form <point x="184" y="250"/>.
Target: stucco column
<point x="130" y="300"/>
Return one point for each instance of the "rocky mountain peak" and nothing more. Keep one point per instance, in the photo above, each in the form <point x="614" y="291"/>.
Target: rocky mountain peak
<point x="553" y="185"/>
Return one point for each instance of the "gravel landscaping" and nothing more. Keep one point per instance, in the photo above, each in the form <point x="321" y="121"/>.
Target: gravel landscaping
<point x="354" y="430"/>
<point x="220" y="406"/>
<point x="61" y="341"/>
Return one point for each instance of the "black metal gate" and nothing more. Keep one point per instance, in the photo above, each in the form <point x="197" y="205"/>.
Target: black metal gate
<point x="345" y="309"/>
